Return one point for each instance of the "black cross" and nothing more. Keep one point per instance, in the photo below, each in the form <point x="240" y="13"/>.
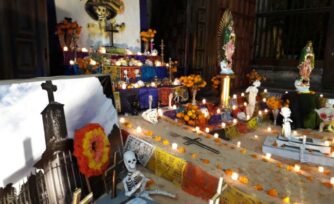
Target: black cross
<point x="50" y="88"/>
<point x="112" y="28"/>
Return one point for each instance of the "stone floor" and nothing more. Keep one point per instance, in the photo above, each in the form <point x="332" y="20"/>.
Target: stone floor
<point x="304" y="187"/>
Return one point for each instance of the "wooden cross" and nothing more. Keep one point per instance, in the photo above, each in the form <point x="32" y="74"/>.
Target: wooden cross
<point x="221" y="187"/>
<point x="112" y="29"/>
<point x="77" y="195"/>
<point x="50" y="88"/>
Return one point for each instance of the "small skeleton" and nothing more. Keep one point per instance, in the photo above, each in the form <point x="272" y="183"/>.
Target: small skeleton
<point x="135" y="182"/>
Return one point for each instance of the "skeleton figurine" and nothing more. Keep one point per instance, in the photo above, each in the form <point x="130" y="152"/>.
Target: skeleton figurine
<point x="126" y="77"/>
<point x="135" y="182"/>
<point x="286" y="127"/>
<point x="252" y="90"/>
<point x="150" y="115"/>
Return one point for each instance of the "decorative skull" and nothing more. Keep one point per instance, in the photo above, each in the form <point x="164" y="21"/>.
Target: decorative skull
<point x="130" y="161"/>
<point x="101" y="12"/>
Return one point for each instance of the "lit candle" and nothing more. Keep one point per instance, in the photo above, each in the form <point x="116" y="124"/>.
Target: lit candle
<point x="321" y="95"/>
<point x="136" y="85"/>
<point x="286" y="92"/>
<point x="174" y="106"/>
<point x="296" y="167"/>
<point x="265" y="90"/>
<point x="118" y="63"/>
<point x="264" y="100"/>
<point x="245" y="103"/>
<point x="295" y="132"/>
<point x="234" y="107"/>
<point x="65" y="49"/>
<point x="103" y="50"/>
<point x="218" y="111"/>
<point x="153" y="84"/>
<point x="160" y="113"/>
<point x="247" y="117"/>
<point x="268" y="156"/>
<point x="122" y="120"/>
<point x="235" y="121"/>
<point x="207" y="130"/>
<point x="260" y="113"/>
<point x="238" y="144"/>
<point x="326" y="143"/>
<point x="331" y="180"/>
<point x="197" y="129"/>
<point x="223" y="125"/>
<point x="234" y="96"/>
<point x="174" y="146"/>
<point x="157" y="63"/>
<point x="72" y="62"/>
<point x="256" y="136"/>
<point x="138" y="129"/>
<point x="204" y="101"/>
<point x="139" y="53"/>
<point x="235" y="176"/>
<point x="242" y="94"/>
<point x="128" y="52"/>
<point x="265" y="111"/>
<point x="92" y="62"/>
<point x="139" y="64"/>
<point x="124" y="86"/>
<point x="216" y="135"/>
<point x="321" y="169"/>
<point x="84" y="49"/>
<point x="269" y="129"/>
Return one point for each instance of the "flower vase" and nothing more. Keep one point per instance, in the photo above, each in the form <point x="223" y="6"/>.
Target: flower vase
<point x="275" y="114"/>
<point x="194" y="93"/>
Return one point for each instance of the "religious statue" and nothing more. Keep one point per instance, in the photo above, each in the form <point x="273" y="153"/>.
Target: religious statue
<point x="286" y="127"/>
<point x="306" y="65"/>
<point x="135" y="182"/>
<point x="252" y="90"/>
<point x="226" y="39"/>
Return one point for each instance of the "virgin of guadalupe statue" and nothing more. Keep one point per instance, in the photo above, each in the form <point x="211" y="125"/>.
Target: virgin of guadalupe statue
<point x="226" y="43"/>
<point x="306" y="65"/>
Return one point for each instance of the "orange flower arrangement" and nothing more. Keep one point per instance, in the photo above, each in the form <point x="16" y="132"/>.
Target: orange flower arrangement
<point x="195" y="82"/>
<point x="68" y="32"/>
<point x="274" y="103"/>
<point x="253" y="76"/>
<point x="86" y="65"/>
<point x="146" y="36"/>
<point x="272" y="192"/>
<point x="192" y="115"/>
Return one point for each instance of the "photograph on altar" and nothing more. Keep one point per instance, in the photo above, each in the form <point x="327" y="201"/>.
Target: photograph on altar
<point x="42" y="124"/>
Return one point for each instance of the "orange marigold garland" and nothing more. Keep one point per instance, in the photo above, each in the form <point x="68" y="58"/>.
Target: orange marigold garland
<point x="92" y="150"/>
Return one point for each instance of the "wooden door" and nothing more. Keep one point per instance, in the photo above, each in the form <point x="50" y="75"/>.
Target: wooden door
<point x="24" y="46"/>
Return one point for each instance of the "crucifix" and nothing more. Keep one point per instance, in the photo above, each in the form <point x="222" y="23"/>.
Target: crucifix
<point x="112" y="28"/>
<point x="50" y="88"/>
<point x="162" y="47"/>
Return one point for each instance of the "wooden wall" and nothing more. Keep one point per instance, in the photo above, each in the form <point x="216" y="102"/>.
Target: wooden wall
<point x="189" y="27"/>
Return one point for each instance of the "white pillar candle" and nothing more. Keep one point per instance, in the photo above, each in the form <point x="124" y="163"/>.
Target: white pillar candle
<point x="174" y="146"/>
<point x="234" y="96"/>
<point x="197" y="129"/>
<point x="138" y="129"/>
<point x="72" y="62"/>
<point x="218" y="111"/>
<point x="296" y="167"/>
<point x="268" y="156"/>
<point x="223" y="125"/>
<point x="238" y="144"/>
<point x="265" y="90"/>
<point x="269" y="129"/>
<point x="204" y="101"/>
<point x="242" y="94"/>
<point x="122" y="120"/>
<point x="321" y="169"/>
<point x="216" y="135"/>
<point x="264" y="100"/>
<point x="235" y="176"/>
<point x="256" y="136"/>
<point x="331" y="180"/>
<point x="235" y="121"/>
<point x="207" y="130"/>
<point x="65" y="49"/>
